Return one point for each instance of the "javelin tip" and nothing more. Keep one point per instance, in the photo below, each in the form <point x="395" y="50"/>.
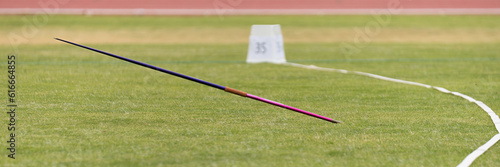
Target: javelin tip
<point x="337" y="122"/>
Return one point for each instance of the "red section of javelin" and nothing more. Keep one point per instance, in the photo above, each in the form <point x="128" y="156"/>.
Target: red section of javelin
<point x="249" y="4"/>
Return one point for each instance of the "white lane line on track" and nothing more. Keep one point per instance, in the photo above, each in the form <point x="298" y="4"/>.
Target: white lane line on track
<point x="472" y="156"/>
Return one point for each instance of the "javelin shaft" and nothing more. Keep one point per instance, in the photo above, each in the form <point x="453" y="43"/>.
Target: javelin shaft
<point x="148" y="66"/>
<point x="227" y="89"/>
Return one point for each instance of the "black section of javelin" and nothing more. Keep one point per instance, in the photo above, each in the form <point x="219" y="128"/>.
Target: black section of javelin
<point x="149" y="66"/>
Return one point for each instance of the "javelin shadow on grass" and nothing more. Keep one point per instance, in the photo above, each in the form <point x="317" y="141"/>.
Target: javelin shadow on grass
<point x="227" y="89"/>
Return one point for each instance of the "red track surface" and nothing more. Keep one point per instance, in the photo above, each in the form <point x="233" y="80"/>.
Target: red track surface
<point x="250" y="4"/>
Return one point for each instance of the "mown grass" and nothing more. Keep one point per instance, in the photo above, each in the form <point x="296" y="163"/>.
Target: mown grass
<point x="78" y="108"/>
<point x="40" y="29"/>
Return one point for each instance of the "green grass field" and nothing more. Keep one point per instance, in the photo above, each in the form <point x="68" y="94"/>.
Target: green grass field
<point x="79" y="108"/>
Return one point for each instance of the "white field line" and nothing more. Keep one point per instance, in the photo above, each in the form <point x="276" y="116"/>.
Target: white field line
<point x="233" y="11"/>
<point x="471" y="157"/>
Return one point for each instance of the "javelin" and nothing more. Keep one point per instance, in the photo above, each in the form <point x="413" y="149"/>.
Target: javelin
<point x="227" y="89"/>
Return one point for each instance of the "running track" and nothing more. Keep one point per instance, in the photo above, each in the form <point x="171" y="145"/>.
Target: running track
<point x="212" y="7"/>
